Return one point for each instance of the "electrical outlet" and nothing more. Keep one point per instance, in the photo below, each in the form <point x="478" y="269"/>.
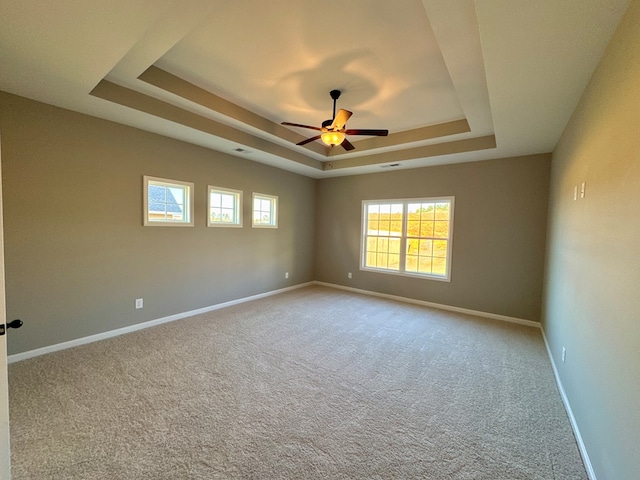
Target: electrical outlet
<point x="575" y="192"/>
<point x="583" y="188"/>
<point x="349" y="275"/>
<point x="564" y="354"/>
<point x="139" y="303"/>
<point x="286" y="274"/>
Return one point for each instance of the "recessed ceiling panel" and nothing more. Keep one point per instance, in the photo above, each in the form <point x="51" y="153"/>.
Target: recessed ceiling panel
<point x="391" y="72"/>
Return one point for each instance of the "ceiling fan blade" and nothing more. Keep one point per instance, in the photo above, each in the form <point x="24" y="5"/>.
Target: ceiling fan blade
<point x="347" y="145"/>
<point x="362" y="131"/>
<point x="302" y="126"/>
<point x="341" y="119"/>
<point x="308" y="140"/>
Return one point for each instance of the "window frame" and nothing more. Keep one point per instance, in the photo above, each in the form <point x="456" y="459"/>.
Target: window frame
<point x="273" y="199"/>
<point x="404" y="237"/>
<point x="166" y="182"/>
<point x="238" y="220"/>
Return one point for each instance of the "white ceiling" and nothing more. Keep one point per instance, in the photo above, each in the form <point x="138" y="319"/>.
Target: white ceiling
<point x="453" y="81"/>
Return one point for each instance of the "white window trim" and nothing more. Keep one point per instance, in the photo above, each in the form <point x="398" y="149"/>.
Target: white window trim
<point x="401" y="272"/>
<point x="238" y="207"/>
<point x="274" y="201"/>
<point x="167" y="182"/>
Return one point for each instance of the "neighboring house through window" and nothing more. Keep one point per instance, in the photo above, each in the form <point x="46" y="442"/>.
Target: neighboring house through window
<point x="167" y="202"/>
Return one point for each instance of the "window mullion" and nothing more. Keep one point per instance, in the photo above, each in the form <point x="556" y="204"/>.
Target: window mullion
<point x="403" y="239"/>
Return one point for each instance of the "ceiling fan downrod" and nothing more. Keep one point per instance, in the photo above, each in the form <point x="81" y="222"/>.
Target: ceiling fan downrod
<point x="335" y="94"/>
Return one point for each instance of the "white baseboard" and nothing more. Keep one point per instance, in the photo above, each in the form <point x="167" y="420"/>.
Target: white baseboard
<point x="140" y="326"/>
<point x="440" y="306"/>
<point x="572" y="419"/>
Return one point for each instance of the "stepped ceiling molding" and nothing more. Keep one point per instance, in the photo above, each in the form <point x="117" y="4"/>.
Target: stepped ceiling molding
<point x="452" y="81"/>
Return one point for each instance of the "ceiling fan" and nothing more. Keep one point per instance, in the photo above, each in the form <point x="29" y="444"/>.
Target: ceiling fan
<point x="334" y="131"/>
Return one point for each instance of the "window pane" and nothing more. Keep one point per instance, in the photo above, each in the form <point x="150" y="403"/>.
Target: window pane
<point x="439" y="266"/>
<point x="426" y="229"/>
<point x="396" y="227"/>
<point x="156" y="193"/>
<point x="412" y="263"/>
<point x="394" y="245"/>
<point x="414" y="209"/>
<point x="383" y="227"/>
<point x="442" y="211"/>
<point x="157" y="207"/>
<point x="424" y="265"/>
<point x="177" y="193"/>
<point x="427" y="211"/>
<point x="227" y="200"/>
<point x="440" y="248"/>
<point x="441" y="229"/>
<point x="426" y="248"/>
<point x="413" y="228"/>
<point x="394" y="262"/>
<point x="412" y="246"/>
<point x="227" y="214"/>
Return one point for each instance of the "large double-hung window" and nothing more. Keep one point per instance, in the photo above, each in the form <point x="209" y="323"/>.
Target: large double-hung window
<point x="408" y="237"/>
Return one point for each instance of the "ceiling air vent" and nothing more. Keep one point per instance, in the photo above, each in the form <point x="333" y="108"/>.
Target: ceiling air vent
<point x="392" y="165"/>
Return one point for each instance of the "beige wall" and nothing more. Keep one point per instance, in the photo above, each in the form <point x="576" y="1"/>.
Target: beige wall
<point x="76" y="252"/>
<point x="592" y="300"/>
<point x="498" y="239"/>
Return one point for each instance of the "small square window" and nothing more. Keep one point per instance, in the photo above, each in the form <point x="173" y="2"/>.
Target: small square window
<point x="265" y="211"/>
<point x="225" y="207"/>
<point x="167" y="202"/>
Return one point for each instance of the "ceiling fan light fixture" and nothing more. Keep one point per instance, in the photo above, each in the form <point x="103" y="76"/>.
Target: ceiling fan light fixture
<point x="333" y="138"/>
<point x="333" y="132"/>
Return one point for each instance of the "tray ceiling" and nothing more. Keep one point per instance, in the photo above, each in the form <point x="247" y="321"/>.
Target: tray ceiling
<point x="452" y="81"/>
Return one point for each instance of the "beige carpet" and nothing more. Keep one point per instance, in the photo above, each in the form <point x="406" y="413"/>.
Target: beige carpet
<point x="315" y="383"/>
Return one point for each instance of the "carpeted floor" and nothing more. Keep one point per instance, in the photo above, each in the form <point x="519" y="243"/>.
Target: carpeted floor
<point x="315" y="383"/>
